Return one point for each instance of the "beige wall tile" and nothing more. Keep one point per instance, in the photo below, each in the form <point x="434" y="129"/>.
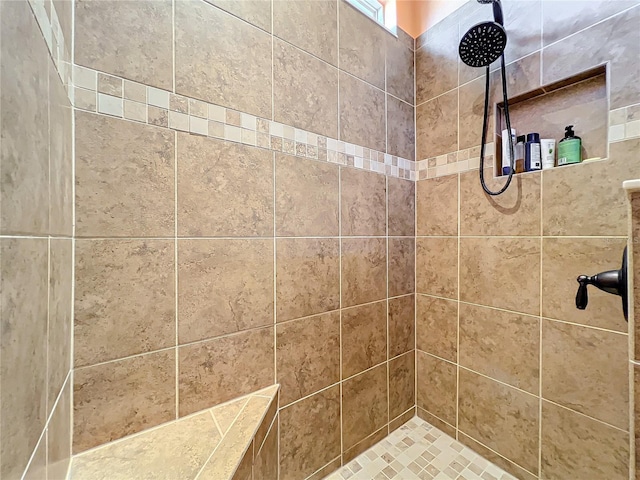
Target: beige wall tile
<point x="364" y="445"/>
<point x="438" y="206"/>
<point x="401" y="207"/>
<point x="401" y="325"/>
<point x="400" y="72"/>
<point x="124" y="298"/>
<point x="38" y="464"/>
<point x="400" y="128"/>
<point x="59" y="436"/>
<point x="363" y="337"/>
<point x="224" y="286"/>
<point x="218" y="370"/>
<point x="502" y="418"/>
<point x="124" y="178"/>
<point x="401" y="266"/>
<point x="308" y="355"/>
<point x="23" y="370"/>
<point x="116" y="399"/>
<point x="295" y="71"/>
<point x="309" y="434"/>
<point x="585" y="370"/>
<point x="126" y="38"/>
<point x="309" y="25"/>
<point x="402" y="419"/>
<point x="364" y="271"/>
<point x="363" y="202"/>
<point x="362" y="111"/>
<point x="402" y="375"/>
<point x="328" y="469"/>
<point x="265" y="465"/>
<point x="437" y="126"/>
<point x="563" y="259"/>
<point x="436" y="422"/>
<point x="364" y="405"/>
<point x="437" y="63"/>
<point x="501" y="345"/>
<point x="436" y="387"/>
<point x="634" y="252"/>
<point x="307" y="277"/>
<point x="224" y="189"/>
<point x="437" y="326"/>
<point x="491" y="267"/>
<point x="471" y="105"/>
<point x="575" y="446"/>
<point x="229" y="65"/>
<point x="437" y="266"/>
<point x="256" y="12"/>
<point x="523" y="21"/>
<point x="307" y="199"/>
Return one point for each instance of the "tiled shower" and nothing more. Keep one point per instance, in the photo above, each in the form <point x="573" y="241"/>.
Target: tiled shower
<point x="201" y="199"/>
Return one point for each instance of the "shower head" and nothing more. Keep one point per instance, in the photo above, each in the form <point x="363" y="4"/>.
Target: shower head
<point x="483" y="44"/>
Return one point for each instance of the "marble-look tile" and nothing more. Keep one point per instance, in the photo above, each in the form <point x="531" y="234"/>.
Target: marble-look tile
<point x="129" y="39"/>
<point x="436" y="387"/>
<point x="401" y="207"/>
<point x="24" y="158"/>
<point x="502" y="418"/>
<point x="268" y="417"/>
<point x="436" y="422"/>
<point x="400" y="128"/>
<point x="23" y="352"/>
<point x="523" y="21"/>
<point x="119" y="398"/>
<point x="437" y="266"/>
<point x="265" y="464"/>
<point x="365" y="444"/>
<point x="224" y="188"/>
<point x="561" y="187"/>
<point x="502" y="345"/>
<point x="364" y="270"/>
<point x="402" y="419"/>
<point x="437" y="64"/>
<point x="307" y="199"/>
<point x="400" y="72"/>
<point x="362" y="111"/>
<point x="243" y="470"/>
<point x="515" y="212"/>
<point x="401" y="324"/>
<point x="364" y="337"/>
<point x="360" y="51"/>
<point x="64" y="12"/>
<point x="309" y="25"/>
<point x="364" y="405"/>
<point x="636" y="411"/>
<point x="295" y="71"/>
<point x="229" y="65"/>
<point x="124" y="178"/>
<point x="218" y="370"/>
<point x="226" y="413"/>
<point x="37" y="469"/>
<point x="224" y="286"/>
<point x="308" y="355"/>
<point x="563" y="259"/>
<point x="471" y="105"/>
<point x="401" y="266"/>
<point x="622" y="44"/>
<point x="256" y="12"/>
<point x="363" y="202"/>
<point x="307" y="277"/>
<point x="309" y="434"/>
<point x="328" y="469"/>
<point x="59" y="436"/>
<point x="437" y="326"/>
<point x="634" y="252"/>
<point x="437" y="126"/>
<point x="402" y="375"/>
<point x="490" y="267"/>
<point x="124" y="298"/>
<point x="586" y="370"/>
<point x="575" y="446"/>
<point x="437" y="209"/>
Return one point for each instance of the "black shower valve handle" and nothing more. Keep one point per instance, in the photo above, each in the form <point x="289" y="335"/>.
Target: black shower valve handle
<point x="582" y="297"/>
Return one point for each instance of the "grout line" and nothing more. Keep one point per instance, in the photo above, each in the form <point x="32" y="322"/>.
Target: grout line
<point x="458" y="294"/>
<point x="176" y="264"/>
<point x="540" y="343"/>
<point x="386" y="221"/>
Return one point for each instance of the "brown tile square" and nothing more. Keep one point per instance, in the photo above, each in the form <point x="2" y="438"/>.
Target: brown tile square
<point x="265" y="464"/>
<point x="402" y="374"/>
<point x="224" y="188"/>
<point x="224" y="286"/>
<point x="364" y="270"/>
<point x="124" y="298"/>
<point x="59" y="436"/>
<point x="364" y="337"/>
<point x="501" y="345"/>
<point x="363" y="202"/>
<point x="400" y="72"/>
<point x="500" y="417"/>
<point x="364" y="445"/>
<point x="438" y="206"/>
<point x="401" y="266"/>
<point x="307" y="277"/>
<point x="401" y="207"/>
<point x="256" y="12"/>
<point x="307" y="199"/>
<point x="119" y="398"/>
<point x="364" y="405"/>
<point x="309" y="434"/>
<point x="437" y="126"/>
<point x="124" y="178"/>
<point x="362" y="111"/>
<point x="400" y="128"/>
<point x="437" y="266"/>
<point x="401" y="325"/>
<point x="308" y="355"/>
<point x="110" y="85"/>
<point x="436" y="380"/>
<point x="437" y="326"/>
<point x="158" y="116"/>
<point x="218" y="370"/>
<point x="586" y="370"/>
<point x="437" y="63"/>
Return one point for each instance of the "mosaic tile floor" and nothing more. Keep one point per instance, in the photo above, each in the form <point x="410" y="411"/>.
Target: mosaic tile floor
<point x="418" y="450"/>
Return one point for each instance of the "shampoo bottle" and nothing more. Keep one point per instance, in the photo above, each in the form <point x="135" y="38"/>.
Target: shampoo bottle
<point x="569" y="148"/>
<point x="532" y="154"/>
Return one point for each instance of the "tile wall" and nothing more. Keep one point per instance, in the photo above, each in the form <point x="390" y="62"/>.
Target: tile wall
<point x="505" y="362"/>
<point x="36" y="245"/>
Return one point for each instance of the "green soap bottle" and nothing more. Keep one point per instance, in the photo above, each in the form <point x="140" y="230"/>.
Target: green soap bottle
<point x="569" y="148"/>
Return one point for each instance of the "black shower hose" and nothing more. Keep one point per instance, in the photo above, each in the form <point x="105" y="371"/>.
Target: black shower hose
<point x="484" y="129"/>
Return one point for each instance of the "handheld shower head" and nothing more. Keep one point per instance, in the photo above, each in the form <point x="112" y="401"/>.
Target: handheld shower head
<point x="497" y="10"/>
<point x="483" y="44"/>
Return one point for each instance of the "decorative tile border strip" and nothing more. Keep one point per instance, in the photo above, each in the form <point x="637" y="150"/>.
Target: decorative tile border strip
<point x="454" y="162"/>
<point x="624" y="123"/>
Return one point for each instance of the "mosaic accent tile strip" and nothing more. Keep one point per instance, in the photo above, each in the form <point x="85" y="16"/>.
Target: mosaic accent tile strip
<point x="454" y="162"/>
<point x="419" y="451"/>
<point x="624" y="123"/>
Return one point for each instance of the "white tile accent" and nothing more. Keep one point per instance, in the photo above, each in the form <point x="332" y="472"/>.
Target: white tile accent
<point x="179" y="121"/>
<point x="233" y="134"/>
<point x="616" y="133"/>
<point x="247" y="121"/>
<point x="217" y="113"/>
<point x="110" y="105"/>
<point x="632" y="129"/>
<point x="85" y="78"/>
<point x="157" y="97"/>
<point x="198" y="125"/>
